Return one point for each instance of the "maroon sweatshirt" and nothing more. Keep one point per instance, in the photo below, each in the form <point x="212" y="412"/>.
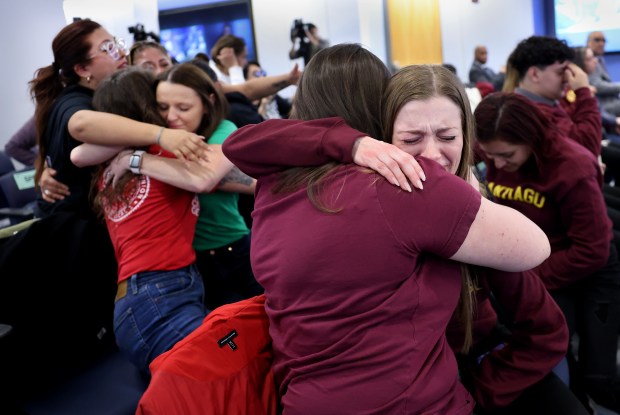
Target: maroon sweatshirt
<point x="562" y="194"/>
<point x="537" y="342"/>
<point x="583" y="124"/>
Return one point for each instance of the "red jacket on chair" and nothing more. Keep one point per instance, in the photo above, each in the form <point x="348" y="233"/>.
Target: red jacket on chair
<point x="223" y="367"/>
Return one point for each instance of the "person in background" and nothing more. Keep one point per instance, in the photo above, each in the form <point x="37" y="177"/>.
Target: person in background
<point x="545" y="70"/>
<point x="474" y="93"/>
<point x="229" y="55"/>
<point x="480" y="72"/>
<point x="272" y="106"/>
<point x="22" y="146"/>
<point x="607" y="90"/>
<point x="240" y="109"/>
<point x="585" y="59"/>
<point x="395" y="357"/>
<point x="519" y="336"/>
<point x="149" y="55"/>
<point x="306" y="41"/>
<point x="557" y="183"/>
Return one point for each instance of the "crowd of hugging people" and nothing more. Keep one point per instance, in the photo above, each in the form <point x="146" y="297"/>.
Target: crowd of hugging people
<point x="408" y="254"/>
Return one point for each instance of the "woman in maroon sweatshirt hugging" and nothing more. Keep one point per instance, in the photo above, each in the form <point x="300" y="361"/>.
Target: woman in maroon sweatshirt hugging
<point x="358" y="283"/>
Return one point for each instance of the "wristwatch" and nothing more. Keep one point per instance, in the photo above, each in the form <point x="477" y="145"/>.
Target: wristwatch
<point x="135" y="161"/>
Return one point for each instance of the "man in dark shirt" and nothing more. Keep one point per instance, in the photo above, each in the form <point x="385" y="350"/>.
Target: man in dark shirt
<point x="607" y="91"/>
<point x="479" y="72"/>
<point x="545" y="73"/>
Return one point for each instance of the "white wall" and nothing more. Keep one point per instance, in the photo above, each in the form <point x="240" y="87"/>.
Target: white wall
<point x="27" y="27"/>
<point x="497" y="24"/>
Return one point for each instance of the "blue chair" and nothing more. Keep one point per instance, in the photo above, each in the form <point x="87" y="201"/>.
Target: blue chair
<point x="6" y="165"/>
<point x="17" y="188"/>
<point x="17" y="197"/>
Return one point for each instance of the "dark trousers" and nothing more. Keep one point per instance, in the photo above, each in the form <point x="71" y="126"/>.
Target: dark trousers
<point x="227" y="273"/>
<point x="592" y="310"/>
<point x="57" y="286"/>
<point x="549" y="396"/>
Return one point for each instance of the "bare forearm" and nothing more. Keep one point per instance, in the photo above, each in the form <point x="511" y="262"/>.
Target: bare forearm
<point x="92" y="154"/>
<point x="109" y="129"/>
<point x="261" y="87"/>
<point x="191" y="176"/>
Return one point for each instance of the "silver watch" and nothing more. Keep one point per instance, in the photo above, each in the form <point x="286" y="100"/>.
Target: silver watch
<point x="135" y="161"/>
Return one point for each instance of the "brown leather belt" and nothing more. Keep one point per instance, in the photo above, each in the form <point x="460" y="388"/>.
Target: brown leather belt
<point x="121" y="291"/>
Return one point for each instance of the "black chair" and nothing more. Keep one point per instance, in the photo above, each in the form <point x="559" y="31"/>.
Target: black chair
<point x="610" y="154"/>
<point x="17" y="197"/>
<point x="57" y="288"/>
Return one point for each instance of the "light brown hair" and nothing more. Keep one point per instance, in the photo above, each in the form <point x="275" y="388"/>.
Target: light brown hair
<point x="191" y="76"/>
<point x="422" y="82"/>
<point x="345" y="81"/>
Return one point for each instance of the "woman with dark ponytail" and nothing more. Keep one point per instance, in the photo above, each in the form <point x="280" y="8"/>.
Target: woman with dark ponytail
<point x="84" y="55"/>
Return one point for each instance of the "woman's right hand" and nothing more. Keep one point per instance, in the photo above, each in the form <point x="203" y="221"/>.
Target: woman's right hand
<point x="51" y="189"/>
<point x="396" y="165"/>
<point x="184" y="145"/>
<point x="117" y="168"/>
<point x="576" y="77"/>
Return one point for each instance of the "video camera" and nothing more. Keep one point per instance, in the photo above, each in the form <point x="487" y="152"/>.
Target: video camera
<point x="299" y="29"/>
<point x="139" y="34"/>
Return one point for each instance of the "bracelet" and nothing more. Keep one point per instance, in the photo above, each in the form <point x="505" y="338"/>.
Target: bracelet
<point x="158" y="139"/>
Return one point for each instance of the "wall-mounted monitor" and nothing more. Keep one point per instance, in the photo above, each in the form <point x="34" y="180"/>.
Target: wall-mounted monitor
<point x="184" y="43"/>
<point x="574" y="20"/>
<point x="185" y="32"/>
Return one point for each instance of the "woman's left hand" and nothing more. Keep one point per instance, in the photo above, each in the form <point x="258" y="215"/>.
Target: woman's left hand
<point x="51" y="189"/>
<point x="396" y="165"/>
<point x="294" y="75"/>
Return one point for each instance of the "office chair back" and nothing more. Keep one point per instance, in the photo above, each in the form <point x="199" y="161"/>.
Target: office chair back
<point x="6" y="165"/>
<point x="17" y="188"/>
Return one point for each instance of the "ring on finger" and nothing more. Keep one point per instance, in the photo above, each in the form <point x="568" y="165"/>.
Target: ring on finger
<point x="47" y="192"/>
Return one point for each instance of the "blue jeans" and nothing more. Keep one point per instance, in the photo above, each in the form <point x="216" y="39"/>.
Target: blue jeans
<point x="159" y="309"/>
